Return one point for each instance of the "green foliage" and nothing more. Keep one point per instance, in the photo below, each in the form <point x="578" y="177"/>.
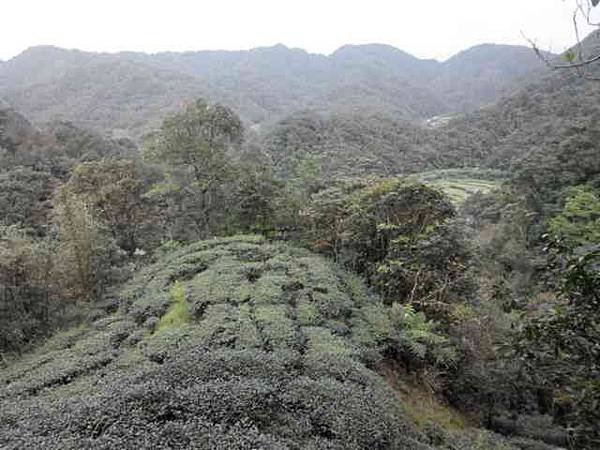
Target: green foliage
<point x="25" y="197"/>
<point x="85" y="250"/>
<point x="570" y="160"/>
<point x="46" y="267"/>
<point x="178" y="314"/>
<point x="197" y="138"/>
<point x="397" y="234"/>
<point x="394" y="232"/>
<point x="561" y="346"/>
<point x="325" y="214"/>
<point x="304" y="179"/>
<point x="345" y="144"/>
<point x="507" y="230"/>
<point x="194" y="145"/>
<point x="579" y="222"/>
<point x="38" y="162"/>
<point x="416" y="339"/>
<point x="570" y="56"/>
<point x="28" y="306"/>
<point x="246" y="372"/>
<point x="256" y="193"/>
<point x="116" y="191"/>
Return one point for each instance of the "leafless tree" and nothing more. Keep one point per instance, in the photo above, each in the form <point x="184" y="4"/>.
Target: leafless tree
<point x="576" y="58"/>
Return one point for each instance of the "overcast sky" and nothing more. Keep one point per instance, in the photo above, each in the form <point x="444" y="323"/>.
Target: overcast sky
<point x="428" y="29"/>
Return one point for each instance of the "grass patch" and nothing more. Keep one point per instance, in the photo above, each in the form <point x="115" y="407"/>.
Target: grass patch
<point x="424" y="408"/>
<point x="464" y="173"/>
<point x="458" y="184"/>
<point x="420" y="405"/>
<point x="459" y="189"/>
<point x="179" y="312"/>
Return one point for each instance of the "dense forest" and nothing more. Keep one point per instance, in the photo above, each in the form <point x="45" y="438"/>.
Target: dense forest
<point x="128" y="94"/>
<point x="274" y="249"/>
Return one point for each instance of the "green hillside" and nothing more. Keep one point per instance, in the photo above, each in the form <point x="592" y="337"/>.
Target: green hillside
<point x="274" y="355"/>
<point x="277" y="348"/>
<point x="262" y="84"/>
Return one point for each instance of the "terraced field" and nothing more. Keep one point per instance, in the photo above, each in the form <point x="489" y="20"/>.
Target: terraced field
<point x="459" y="184"/>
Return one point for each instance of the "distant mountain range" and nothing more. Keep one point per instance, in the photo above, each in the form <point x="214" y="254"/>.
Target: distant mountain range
<point x="547" y="124"/>
<point x="129" y="93"/>
<point x="552" y="118"/>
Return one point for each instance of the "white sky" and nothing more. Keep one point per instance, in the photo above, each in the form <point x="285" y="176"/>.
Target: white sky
<point x="425" y="28"/>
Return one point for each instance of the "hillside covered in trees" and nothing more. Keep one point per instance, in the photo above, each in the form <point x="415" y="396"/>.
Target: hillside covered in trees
<point x="129" y="93"/>
<point x="275" y="249"/>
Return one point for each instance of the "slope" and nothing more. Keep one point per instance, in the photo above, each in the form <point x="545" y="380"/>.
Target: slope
<point x="343" y="145"/>
<point x="546" y="133"/>
<point x="483" y="74"/>
<point x="131" y="91"/>
<point x="272" y="352"/>
<point x="549" y="123"/>
<point x="101" y="92"/>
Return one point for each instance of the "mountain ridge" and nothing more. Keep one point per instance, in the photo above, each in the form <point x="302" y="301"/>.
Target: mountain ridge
<point x="131" y="91"/>
<point x="278" y="45"/>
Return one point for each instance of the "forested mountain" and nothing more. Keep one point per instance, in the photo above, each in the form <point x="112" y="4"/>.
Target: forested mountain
<point x="551" y="121"/>
<point x="129" y="92"/>
<point x="96" y="91"/>
<point x="343" y="144"/>
<point x="553" y="112"/>
<point x="482" y="74"/>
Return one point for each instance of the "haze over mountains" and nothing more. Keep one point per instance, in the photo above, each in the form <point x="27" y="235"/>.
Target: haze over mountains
<point x="128" y="93"/>
<point x="360" y="110"/>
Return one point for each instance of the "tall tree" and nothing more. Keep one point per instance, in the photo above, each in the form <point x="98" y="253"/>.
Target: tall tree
<point x="26" y="288"/>
<point x="255" y="195"/>
<point x="115" y="189"/>
<point x="84" y="256"/>
<point x="25" y="197"/>
<point x="194" y="144"/>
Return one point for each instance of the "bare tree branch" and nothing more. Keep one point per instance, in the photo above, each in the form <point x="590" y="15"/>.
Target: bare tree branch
<point x="577" y="64"/>
<point x="576" y="58"/>
<point x="586" y="11"/>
